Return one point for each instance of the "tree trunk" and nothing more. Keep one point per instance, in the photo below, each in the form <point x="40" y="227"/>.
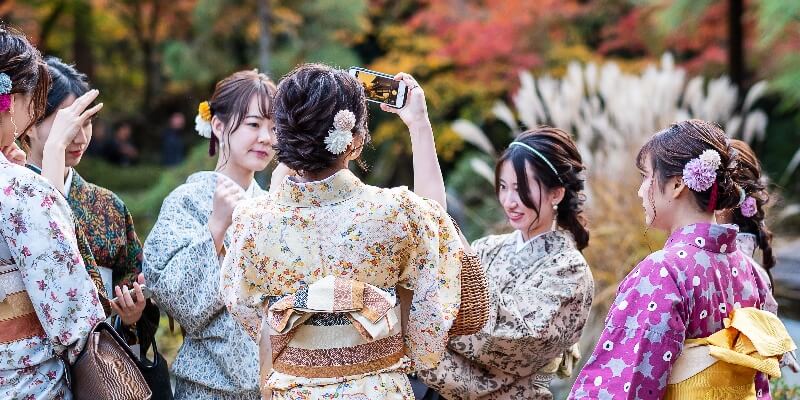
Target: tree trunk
<point x="736" y="61"/>
<point x="263" y="35"/>
<point x="81" y="45"/>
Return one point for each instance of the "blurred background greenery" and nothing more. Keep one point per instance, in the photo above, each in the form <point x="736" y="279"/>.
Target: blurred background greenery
<point x="611" y="72"/>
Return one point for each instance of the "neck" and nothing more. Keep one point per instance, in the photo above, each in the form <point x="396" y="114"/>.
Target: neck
<point x="689" y="217"/>
<point x="321" y="175"/>
<point x="35" y="158"/>
<point x="241" y="176"/>
<point x="535" y="231"/>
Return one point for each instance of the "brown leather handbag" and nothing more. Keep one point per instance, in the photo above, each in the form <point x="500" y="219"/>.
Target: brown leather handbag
<point x="105" y="369"/>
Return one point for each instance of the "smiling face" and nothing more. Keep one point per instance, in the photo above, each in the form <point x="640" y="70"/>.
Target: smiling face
<point x="521" y="216"/>
<point x="249" y="146"/>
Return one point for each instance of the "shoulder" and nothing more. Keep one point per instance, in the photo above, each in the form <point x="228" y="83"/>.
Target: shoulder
<point x="491" y="242"/>
<point x="19" y="183"/>
<point x="106" y="196"/>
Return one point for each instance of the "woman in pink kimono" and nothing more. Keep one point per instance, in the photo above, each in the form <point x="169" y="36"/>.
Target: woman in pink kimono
<point x="48" y="303"/>
<point x="686" y="320"/>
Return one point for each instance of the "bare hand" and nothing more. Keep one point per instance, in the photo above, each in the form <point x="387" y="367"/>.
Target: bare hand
<point x="415" y="111"/>
<point x="226" y="196"/>
<point x="14" y="154"/>
<point x="70" y="119"/>
<point x="278" y="175"/>
<point x="129" y="306"/>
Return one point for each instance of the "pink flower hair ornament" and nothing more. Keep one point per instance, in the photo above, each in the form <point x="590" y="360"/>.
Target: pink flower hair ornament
<point x="700" y="173"/>
<point x="749" y="207"/>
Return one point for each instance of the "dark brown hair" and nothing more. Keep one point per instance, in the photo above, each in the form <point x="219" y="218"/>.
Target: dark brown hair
<point x="23" y="64"/>
<point x="672" y="148"/>
<point x="232" y="97"/>
<point x="755" y="186"/>
<point x="307" y="100"/>
<point x="559" y="148"/>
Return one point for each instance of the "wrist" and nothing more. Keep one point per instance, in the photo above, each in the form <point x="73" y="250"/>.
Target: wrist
<point x="421" y="129"/>
<point x="54" y="147"/>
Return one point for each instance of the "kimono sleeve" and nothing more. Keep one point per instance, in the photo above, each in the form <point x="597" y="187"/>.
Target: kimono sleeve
<point x="181" y="266"/>
<point x="240" y="280"/>
<point x="643" y="336"/>
<point x="38" y="228"/>
<point x="536" y="323"/>
<point x="433" y="273"/>
<point x="128" y="263"/>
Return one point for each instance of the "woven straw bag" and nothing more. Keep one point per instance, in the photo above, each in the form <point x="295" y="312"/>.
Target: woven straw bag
<point x="474" y="311"/>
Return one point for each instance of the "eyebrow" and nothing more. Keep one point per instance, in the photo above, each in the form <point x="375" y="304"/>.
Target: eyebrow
<point x="254" y="116"/>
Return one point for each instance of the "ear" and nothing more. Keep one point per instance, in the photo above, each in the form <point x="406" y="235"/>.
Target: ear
<point x="557" y="194"/>
<point x="677" y="186"/>
<point x="217" y="128"/>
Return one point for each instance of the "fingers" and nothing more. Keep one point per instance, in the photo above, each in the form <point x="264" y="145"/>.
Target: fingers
<point x="137" y="290"/>
<point x="387" y="108"/>
<point x="82" y="102"/>
<point x="91" y="112"/>
<point x="115" y="307"/>
<point x="140" y="278"/>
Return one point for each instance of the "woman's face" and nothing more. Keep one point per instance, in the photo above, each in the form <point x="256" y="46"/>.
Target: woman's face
<point x="519" y="215"/>
<point x="656" y="202"/>
<point x="250" y="146"/>
<point x="20" y="108"/>
<point x="75" y="149"/>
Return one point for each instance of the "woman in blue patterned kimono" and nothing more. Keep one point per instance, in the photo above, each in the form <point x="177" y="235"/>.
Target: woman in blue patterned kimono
<point x="182" y="253"/>
<point x="48" y="303"/>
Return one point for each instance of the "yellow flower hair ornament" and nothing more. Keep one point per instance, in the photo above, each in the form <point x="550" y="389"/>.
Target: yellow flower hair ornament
<point x="202" y="122"/>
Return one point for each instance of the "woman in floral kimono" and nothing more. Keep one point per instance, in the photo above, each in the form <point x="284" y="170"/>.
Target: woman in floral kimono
<point x="48" y="303"/>
<point x="540" y="285"/>
<point x="689" y="320"/>
<point x="354" y="284"/>
<point x="183" y="251"/>
<point x="102" y="219"/>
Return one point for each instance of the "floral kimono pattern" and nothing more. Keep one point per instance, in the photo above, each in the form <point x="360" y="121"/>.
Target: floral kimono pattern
<point x="338" y="249"/>
<point x="217" y="359"/>
<point x="540" y="295"/>
<point x="48" y="303"/>
<point x="684" y="291"/>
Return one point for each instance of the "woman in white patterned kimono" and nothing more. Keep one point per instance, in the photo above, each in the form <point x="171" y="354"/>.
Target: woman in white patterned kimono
<point x="183" y="251"/>
<point x="540" y="285"/>
<point x="328" y="262"/>
<point x="48" y="303"/>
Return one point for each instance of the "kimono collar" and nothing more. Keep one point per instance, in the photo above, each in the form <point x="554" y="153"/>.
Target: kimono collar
<point x="544" y="243"/>
<point x="710" y="237"/>
<point x="331" y="190"/>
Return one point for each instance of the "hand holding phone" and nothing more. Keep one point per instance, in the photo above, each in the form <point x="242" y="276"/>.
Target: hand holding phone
<point x="381" y="88"/>
<point x="415" y="112"/>
<point x="129" y="304"/>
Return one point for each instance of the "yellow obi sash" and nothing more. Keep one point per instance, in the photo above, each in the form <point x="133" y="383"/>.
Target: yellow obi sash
<point x="335" y="327"/>
<point x="723" y="366"/>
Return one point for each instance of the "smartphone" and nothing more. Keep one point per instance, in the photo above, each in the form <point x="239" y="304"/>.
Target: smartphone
<point x="145" y="291"/>
<point x="380" y="87"/>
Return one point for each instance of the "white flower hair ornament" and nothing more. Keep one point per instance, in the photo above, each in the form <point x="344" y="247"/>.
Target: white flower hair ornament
<point x="700" y="173"/>
<point x="341" y="134"/>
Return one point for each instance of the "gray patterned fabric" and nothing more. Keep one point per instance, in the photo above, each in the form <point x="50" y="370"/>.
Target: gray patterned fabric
<point x="540" y="295"/>
<point x="217" y="360"/>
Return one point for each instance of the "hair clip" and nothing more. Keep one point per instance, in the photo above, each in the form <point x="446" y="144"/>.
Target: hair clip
<point x="749" y="207"/>
<point x="700" y="173"/>
<point x="202" y="122"/>
<point x="5" y="92"/>
<point x="341" y="134"/>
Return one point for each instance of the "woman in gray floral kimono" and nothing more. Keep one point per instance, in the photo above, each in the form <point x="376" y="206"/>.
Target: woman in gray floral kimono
<point x="540" y="285"/>
<point x="182" y="254"/>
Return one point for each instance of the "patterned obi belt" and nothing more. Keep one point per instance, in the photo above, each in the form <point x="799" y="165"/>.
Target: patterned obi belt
<point x="724" y="365"/>
<point x="18" y="319"/>
<point x="335" y="327"/>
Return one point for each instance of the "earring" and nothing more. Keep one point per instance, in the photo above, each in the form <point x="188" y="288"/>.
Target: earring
<point x="16" y="133"/>
<point x="555" y="217"/>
